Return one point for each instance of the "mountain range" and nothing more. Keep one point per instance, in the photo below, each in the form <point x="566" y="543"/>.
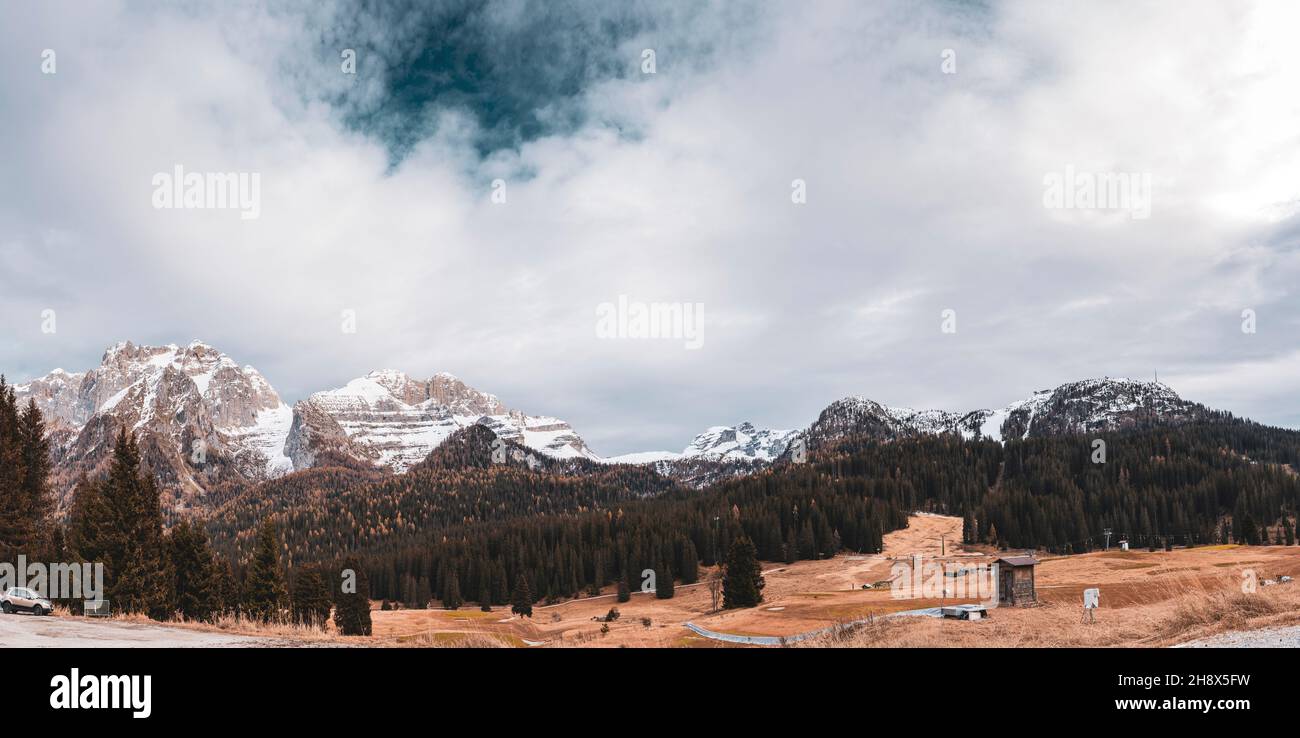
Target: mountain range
<point x="202" y="419"/>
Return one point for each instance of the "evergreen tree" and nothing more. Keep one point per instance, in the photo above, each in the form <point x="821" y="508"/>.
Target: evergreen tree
<point x="195" y="571"/>
<point x="36" y="498"/>
<point x="58" y="549"/>
<point x="423" y="593"/>
<point x="25" y="500"/>
<point x="742" y="585"/>
<point x="690" y="563"/>
<point x="352" y="600"/>
<point x="264" y="591"/>
<point x="451" y="599"/>
<point x="1245" y="532"/>
<point x="790" y="549"/>
<point x="87" y="536"/>
<point x="484" y="599"/>
<point x="226" y="589"/>
<point x="664" y="582"/>
<point x="522" y="599"/>
<point x="138" y="572"/>
<point x="311" y="597"/>
<point x="624" y="593"/>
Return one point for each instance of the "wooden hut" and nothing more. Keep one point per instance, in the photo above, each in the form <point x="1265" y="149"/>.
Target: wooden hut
<point x="1016" y="580"/>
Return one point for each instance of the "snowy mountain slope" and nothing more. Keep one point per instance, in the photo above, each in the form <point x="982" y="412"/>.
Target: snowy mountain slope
<point x="718" y="453"/>
<point x="197" y="414"/>
<point x="1075" y="407"/>
<point x="1083" y="406"/>
<point x="642" y="457"/>
<point x="202" y="419"/>
<point x="395" y="421"/>
<point x="742" y="442"/>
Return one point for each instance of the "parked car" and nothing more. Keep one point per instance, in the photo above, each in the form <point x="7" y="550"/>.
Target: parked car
<point x="19" y="599"/>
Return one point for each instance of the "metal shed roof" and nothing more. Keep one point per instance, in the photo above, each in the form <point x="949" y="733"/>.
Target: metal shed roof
<point x="1018" y="560"/>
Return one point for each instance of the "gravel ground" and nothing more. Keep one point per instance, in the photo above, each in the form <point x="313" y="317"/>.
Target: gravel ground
<point x="1288" y="637"/>
<point x="29" y="631"/>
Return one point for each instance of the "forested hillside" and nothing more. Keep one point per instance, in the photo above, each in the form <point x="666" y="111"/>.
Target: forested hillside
<point x="483" y="519"/>
<point x="459" y="519"/>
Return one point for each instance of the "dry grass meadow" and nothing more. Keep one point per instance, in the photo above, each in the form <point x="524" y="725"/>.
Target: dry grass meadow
<point x="1148" y="599"/>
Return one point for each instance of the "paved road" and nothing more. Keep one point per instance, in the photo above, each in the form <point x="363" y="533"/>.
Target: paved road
<point x="1287" y="637"/>
<point x="29" y="631"/>
<point x="931" y="612"/>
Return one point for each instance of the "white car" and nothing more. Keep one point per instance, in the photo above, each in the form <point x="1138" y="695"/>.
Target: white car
<point x="20" y="599"/>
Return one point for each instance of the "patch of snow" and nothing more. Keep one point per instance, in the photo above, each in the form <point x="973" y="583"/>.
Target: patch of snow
<point x="113" y="401"/>
<point x="642" y="457"/>
<point x="202" y="381"/>
<point x="365" y="389"/>
<point x="991" y="428"/>
<point x="267" y="436"/>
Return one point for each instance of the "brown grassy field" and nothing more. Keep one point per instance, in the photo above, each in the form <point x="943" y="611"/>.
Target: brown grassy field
<point x="1147" y="599"/>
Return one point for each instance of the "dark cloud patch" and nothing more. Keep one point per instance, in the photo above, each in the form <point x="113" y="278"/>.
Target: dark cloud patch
<point x="517" y="68"/>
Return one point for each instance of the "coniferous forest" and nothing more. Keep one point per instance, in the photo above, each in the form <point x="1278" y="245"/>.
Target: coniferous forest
<point x="570" y="531"/>
<point x="461" y="528"/>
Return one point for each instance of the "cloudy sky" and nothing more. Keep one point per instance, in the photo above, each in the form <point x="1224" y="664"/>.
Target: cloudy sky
<point x="925" y="134"/>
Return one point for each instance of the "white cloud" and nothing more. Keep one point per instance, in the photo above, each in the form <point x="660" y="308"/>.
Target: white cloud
<point x="924" y="193"/>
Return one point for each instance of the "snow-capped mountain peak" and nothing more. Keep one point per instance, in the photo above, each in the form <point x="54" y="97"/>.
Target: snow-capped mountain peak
<point x="739" y="442"/>
<point x="201" y="418"/>
<point x="1088" y="405"/>
<point x="394" y="420"/>
<point x="194" y="409"/>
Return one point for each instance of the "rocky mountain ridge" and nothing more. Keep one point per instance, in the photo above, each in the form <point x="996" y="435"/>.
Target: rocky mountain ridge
<point x="202" y="419"/>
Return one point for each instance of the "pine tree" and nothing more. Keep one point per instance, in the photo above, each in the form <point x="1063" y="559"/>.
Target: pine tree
<point x="664" y="582"/>
<point x="352" y="600"/>
<point x="624" y="593"/>
<point x="17" y="526"/>
<point x="742" y="585"/>
<point x="36" y="498"/>
<point x="690" y="564"/>
<point x="1245" y="531"/>
<point x="311" y="598"/>
<point x="195" y="572"/>
<point x="423" y="593"/>
<point x="87" y="516"/>
<point x="226" y="589"/>
<point x="131" y="538"/>
<point x="264" y="592"/>
<point x="484" y="599"/>
<point x="790" y="549"/>
<point x="451" y="599"/>
<point x="522" y="599"/>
